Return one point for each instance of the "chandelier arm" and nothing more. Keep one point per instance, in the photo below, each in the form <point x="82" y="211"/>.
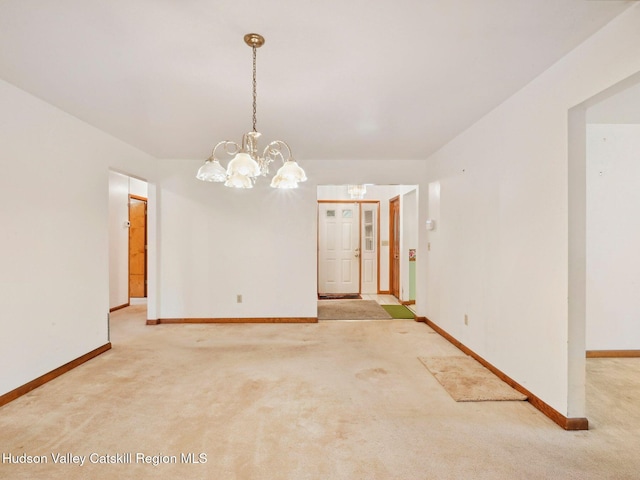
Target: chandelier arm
<point x="226" y="144"/>
<point x="213" y="152"/>
<point x="275" y="149"/>
<point x="235" y="150"/>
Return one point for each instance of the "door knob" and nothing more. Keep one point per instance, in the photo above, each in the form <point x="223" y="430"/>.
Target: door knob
<point x="357" y="254"/>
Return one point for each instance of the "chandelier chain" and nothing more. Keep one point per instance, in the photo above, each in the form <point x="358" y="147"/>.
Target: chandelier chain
<point x="255" y="91"/>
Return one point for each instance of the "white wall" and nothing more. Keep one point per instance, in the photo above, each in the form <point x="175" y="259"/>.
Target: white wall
<point x="118" y="239"/>
<point x="54" y="271"/>
<point x="433" y="288"/>
<point x="218" y="242"/>
<point x="138" y="187"/>
<point x="620" y="108"/>
<point x="613" y="237"/>
<point x="500" y="251"/>
<point x="409" y="229"/>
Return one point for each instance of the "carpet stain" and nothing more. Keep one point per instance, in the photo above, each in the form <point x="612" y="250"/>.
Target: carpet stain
<point x="371" y="374"/>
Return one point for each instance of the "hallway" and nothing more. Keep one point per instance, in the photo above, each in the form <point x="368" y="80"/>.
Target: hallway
<point x="334" y="400"/>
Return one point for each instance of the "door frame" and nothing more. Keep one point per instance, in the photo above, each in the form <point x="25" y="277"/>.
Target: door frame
<point x="394" y="273"/>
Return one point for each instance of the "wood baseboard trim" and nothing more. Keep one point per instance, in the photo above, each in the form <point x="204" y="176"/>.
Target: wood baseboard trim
<point x="47" y="377"/>
<point x="119" y="307"/>
<point x="420" y="319"/>
<point x="545" y="408"/>
<point x="384" y="292"/>
<point x="235" y="320"/>
<point x="613" y="353"/>
<point x="408" y="302"/>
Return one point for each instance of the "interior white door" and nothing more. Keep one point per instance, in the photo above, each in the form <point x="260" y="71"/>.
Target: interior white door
<point x="369" y="248"/>
<point x="338" y="248"/>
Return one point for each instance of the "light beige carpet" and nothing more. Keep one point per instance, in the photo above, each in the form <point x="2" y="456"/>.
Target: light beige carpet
<point x="315" y="401"/>
<point x="466" y="380"/>
<point x="351" y="310"/>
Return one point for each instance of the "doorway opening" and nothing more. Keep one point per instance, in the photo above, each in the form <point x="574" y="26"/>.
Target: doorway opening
<point x="367" y="246"/>
<point x="604" y="263"/>
<point x="127" y="241"/>
<point x="612" y="225"/>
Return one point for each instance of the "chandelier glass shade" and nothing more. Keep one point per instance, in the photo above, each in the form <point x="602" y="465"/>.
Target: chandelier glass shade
<point x="247" y="163"/>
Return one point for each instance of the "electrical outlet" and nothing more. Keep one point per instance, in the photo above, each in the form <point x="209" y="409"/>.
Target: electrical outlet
<point x="238" y="298"/>
<point x="466" y="319"/>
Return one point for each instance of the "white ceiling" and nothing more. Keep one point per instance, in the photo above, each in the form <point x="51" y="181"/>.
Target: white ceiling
<point x="336" y="79"/>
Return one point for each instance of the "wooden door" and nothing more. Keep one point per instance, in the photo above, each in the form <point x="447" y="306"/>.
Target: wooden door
<point x="338" y="248"/>
<point x="137" y="247"/>
<point x="394" y="246"/>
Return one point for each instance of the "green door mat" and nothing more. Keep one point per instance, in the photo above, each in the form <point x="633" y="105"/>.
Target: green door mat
<point x="398" y="311"/>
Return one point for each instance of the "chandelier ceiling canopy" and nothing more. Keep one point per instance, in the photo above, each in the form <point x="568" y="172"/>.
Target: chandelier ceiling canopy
<point x="248" y="163"/>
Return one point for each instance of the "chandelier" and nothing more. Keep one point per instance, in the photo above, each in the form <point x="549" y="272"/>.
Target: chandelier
<point x="357" y="192"/>
<point x="247" y="164"/>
